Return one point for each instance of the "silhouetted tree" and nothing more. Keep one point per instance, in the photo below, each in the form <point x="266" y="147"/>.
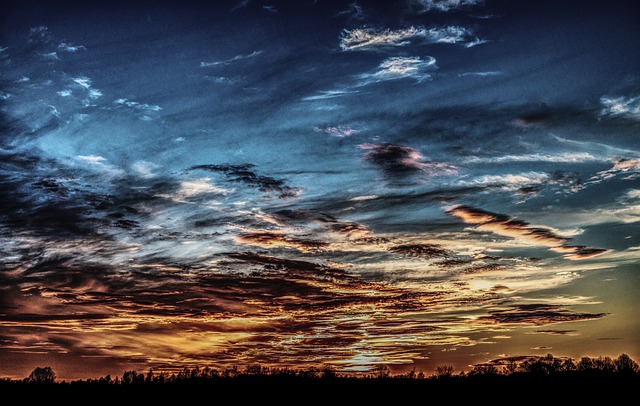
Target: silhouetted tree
<point x="129" y="377"/>
<point x="381" y="371"/>
<point x="624" y="364"/>
<point x="511" y="367"/>
<point x="604" y="364"/>
<point x="585" y="364"/>
<point x="568" y="365"/>
<point x="255" y="369"/>
<point x="484" y="369"/>
<point x="328" y="373"/>
<point x="444" y="371"/>
<point x="411" y="374"/>
<point x="42" y="375"/>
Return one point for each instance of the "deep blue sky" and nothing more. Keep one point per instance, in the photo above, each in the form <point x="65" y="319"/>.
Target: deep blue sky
<point x="317" y="183"/>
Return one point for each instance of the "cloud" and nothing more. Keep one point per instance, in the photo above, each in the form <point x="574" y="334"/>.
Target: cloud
<point x="269" y="8"/>
<point x="144" y="169"/>
<point x="397" y="160"/>
<point x="329" y="94"/>
<point x="240" y="4"/>
<point x="338" y="131"/>
<point x="625" y="107"/>
<point x="353" y="11"/>
<point x="510" y="181"/>
<point x="477" y="42"/>
<point x="557" y="332"/>
<point x="506" y="226"/>
<point x="400" y="67"/>
<point x="568" y="157"/>
<point x="270" y="239"/>
<point x="138" y="106"/>
<point x="538" y="314"/>
<point x="444" y="5"/>
<point x="83" y="83"/>
<point x="194" y="188"/>
<point x="482" y="74"/>
<point x="39" y="34"/>
<point x="245" y="174"/>
<point x="64" y="47"/>
<point x="368" y="39"/>
<point x="629" y="167"/>
<point x="420" y="250"/>
<point x="100" y="163"/>
<point x="236" y="58"/>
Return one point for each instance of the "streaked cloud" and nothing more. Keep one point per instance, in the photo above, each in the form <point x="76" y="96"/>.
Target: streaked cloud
<point x="229" y="61"/>
<point x="481" y="73"/>
<point x="400" y="67"/>
<point x="368" y="39"/>
<point x="509" y="181"/>
<point x="567" y="157"/>
<point x="537" y="235"/>
<point x="353" y="12"/>
<point x="557" y="332"/>
<point x="538" y="314"/>
<point x="474" y="43"/>
<point x="420" y="250"/>
<point x="444" y="5"/>
<point x="271" y="239"/>
<point x="625" y="107"/>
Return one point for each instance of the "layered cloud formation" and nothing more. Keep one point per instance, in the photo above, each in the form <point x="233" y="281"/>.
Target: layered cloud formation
<point x="303" y="185"/>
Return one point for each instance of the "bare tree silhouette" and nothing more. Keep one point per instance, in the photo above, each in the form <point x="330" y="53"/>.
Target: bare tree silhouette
<point x="444" y="371"/>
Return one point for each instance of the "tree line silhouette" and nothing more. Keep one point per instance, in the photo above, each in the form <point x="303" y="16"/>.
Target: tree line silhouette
<point x="523" y="368"/>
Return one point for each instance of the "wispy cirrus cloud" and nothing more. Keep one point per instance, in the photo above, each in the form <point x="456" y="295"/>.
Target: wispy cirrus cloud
<point x="229" y="61"/>
<point x="567" y="157"/>
<point x="625" y="107"/>
<point x="444" y="5"/>
<point x="509" y="181"/>
<point x="329" y="94"/>
<point x="353" y="11"/>
<point x="507" y="226"/>
<point x="371" y="39"/>
<point x="400" y="67"/>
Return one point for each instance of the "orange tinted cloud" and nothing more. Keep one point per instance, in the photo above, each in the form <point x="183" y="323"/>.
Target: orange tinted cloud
<point x="509" y="227"/>
<point x="270" y="239"/>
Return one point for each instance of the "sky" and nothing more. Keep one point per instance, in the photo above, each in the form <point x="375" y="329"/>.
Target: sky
<point x="338" y="184"/>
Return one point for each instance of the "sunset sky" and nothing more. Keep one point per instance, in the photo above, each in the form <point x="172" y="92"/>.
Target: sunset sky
<point x="317" y="183"/>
